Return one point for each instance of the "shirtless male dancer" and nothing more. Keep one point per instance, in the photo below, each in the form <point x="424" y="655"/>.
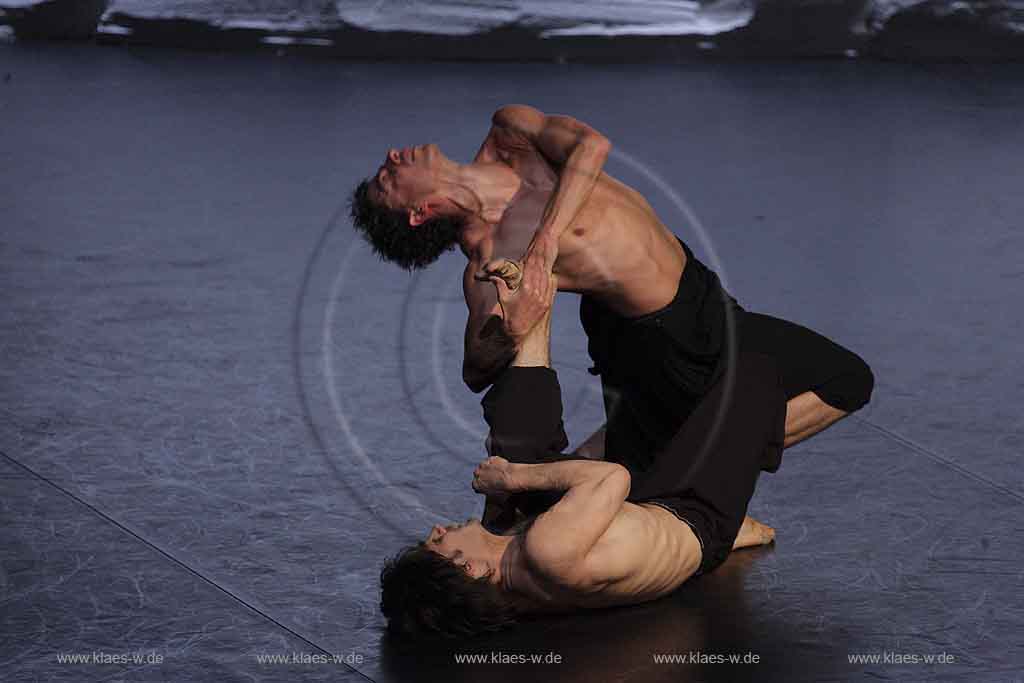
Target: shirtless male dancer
<point x="592" y="548"/>
<point x="661" y="328"/>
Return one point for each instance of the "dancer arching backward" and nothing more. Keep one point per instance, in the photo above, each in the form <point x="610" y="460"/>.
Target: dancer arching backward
<point x="661" y="328"/>
<point x="593" y="547"/>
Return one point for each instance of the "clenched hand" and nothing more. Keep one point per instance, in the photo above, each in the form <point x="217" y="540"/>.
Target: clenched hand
<point x="524" y="306"/>
<point x="493" y="477"/>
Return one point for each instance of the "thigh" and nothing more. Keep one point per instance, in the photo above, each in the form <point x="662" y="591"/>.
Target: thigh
<point x="627" y="440"/>
<point x="806" y="360"/>
<point x="708" y="472"/>
<point x="523" y="410"/>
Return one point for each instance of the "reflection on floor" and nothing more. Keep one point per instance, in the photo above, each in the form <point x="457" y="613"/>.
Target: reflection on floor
<point x="220" y="413"/>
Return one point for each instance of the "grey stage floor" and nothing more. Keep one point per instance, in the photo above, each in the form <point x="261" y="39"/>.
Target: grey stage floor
<point x="220" y="413"/>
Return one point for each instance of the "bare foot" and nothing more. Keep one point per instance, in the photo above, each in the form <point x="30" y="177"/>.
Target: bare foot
<point x="753" y="533"/>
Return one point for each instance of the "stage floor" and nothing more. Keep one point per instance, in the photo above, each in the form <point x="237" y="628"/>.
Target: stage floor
<point x="220" y="412"/>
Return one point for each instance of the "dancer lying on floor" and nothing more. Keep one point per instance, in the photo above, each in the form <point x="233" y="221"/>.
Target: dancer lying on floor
<point x="593" y="547"/>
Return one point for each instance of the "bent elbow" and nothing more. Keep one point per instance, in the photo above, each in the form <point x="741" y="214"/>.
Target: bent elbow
<point x="601" y="142"/>
<point x="620" y="479"/>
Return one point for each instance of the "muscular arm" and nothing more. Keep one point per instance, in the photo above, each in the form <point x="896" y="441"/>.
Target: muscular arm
<point x="578" y="152"/>
<point x="573" y="148"/>
<point x="560" y="539"/>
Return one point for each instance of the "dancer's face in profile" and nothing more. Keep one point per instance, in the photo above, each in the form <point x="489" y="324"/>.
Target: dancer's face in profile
<point x="407" y="177"/>
<point x="399" y="209"/>
<point x="464" y="544"/>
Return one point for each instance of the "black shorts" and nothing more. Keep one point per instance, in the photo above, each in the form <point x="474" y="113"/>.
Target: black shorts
<point x="656" y="369"/>
<point x="705" y="474"/>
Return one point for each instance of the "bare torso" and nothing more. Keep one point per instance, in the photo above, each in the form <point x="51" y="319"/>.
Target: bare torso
<point x="647" y="552"/>
<point x="618" y="251"/>
<point x="616" y="248"/>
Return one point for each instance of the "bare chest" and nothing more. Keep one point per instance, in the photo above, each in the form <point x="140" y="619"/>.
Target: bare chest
<point x="525" y="215"/>
<point x="520" y="222"/>
<point x="645" y="553"/>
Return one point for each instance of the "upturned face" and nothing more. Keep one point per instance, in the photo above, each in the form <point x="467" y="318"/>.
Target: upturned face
<point x="407" y="177"/>
<point x="400" y="209"/>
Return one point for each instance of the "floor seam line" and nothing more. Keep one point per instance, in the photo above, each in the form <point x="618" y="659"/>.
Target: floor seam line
<point x="914" y="446"/>
<point x="104" y="516"/>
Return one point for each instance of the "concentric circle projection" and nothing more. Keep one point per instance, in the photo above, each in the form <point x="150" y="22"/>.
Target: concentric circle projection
<point x="362" y="390"/>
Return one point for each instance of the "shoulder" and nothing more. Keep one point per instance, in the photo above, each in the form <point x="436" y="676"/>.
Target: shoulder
<point x="518" y="116"/>
<point x="547" y="561"/>
<point x="511" y="126"/>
